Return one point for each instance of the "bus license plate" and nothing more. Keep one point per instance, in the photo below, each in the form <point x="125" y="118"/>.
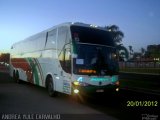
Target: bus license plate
<point x="100" y="90"/>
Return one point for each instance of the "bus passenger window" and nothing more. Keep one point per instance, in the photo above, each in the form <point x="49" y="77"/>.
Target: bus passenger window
<point x="67" y="61"/>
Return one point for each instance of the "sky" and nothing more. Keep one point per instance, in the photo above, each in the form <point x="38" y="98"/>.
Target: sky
<point x="139" y="20"/>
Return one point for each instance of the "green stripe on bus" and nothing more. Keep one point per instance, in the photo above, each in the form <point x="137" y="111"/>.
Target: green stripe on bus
<point x="40" y="70"/>
<point x="34" y="70"/>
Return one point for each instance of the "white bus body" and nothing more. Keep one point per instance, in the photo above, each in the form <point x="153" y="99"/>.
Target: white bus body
<point x="57" y="59"/>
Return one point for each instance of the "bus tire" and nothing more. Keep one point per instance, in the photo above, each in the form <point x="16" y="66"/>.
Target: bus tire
<point x="14" y="76"/>
<point x="17" y="80"/>
<point x="50" y="87"/>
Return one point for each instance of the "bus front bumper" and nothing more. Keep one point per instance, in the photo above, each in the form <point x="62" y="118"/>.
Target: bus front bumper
<point x="92" y="89"/>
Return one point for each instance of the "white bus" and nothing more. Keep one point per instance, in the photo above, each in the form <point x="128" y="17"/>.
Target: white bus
<point x="71" y="58"/>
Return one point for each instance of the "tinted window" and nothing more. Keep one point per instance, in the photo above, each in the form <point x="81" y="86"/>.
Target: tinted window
<point x="94" y="57"/>
<point x="91" y="35"/>
<point x="62" y="38"/>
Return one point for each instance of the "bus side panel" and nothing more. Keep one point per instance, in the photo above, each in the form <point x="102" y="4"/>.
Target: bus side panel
<point x="28" y="69"/>
<point x="21" y="66"/>
<point x="50" y="66"/>
<point x="39" y="55"/>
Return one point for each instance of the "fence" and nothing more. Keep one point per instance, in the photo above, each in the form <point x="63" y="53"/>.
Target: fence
<point x="139" y="64"/>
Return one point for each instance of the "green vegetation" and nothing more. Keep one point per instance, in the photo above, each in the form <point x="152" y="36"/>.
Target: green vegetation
<point x="141" y="70"/>
<point x="116" y="33"/>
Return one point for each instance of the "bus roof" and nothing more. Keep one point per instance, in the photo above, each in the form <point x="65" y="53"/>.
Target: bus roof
<point x="64" y="24"/>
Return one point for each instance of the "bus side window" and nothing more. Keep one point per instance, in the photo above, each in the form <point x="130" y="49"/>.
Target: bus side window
<point x="63" y="49"/>
<point x="51" y="40"/>
<point x="67" y="60"/>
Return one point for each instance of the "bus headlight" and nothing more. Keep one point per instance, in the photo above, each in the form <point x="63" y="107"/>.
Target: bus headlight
<point x="76" y="83"/>
<point x="117" y="89"/>
<point x="76" y="91"/>
<point x="117" y="83"/>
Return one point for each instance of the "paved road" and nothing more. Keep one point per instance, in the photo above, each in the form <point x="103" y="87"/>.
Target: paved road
<point x="29" y="99"/>
<point x="149" y="83"/>
<point x="26" y="100"/>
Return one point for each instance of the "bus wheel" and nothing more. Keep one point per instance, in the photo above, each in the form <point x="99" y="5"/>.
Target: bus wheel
<point x="17" y="80"/>
<point x="50" y="87"/>
<point x="14" y="76"/>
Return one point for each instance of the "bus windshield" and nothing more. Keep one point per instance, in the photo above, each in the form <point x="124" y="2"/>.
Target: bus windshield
<point x="91" y="35"/>
<point x="95" y="49"/>
<point x="95" y="60"/>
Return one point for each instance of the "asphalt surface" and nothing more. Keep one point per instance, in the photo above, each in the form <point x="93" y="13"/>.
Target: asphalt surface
<point x="26" y="101"/>
<point x="147" y="83"/>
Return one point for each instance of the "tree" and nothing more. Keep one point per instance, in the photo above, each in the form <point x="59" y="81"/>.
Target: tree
<point x="153" y="51"/>
<point x="123" y="52"/>
<point x="142" y="51"/>
<point x="4" y="57"/>
<point x="130" y="50"/>
<point x="117" y="36"/>
<point x="116" y="33"/>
